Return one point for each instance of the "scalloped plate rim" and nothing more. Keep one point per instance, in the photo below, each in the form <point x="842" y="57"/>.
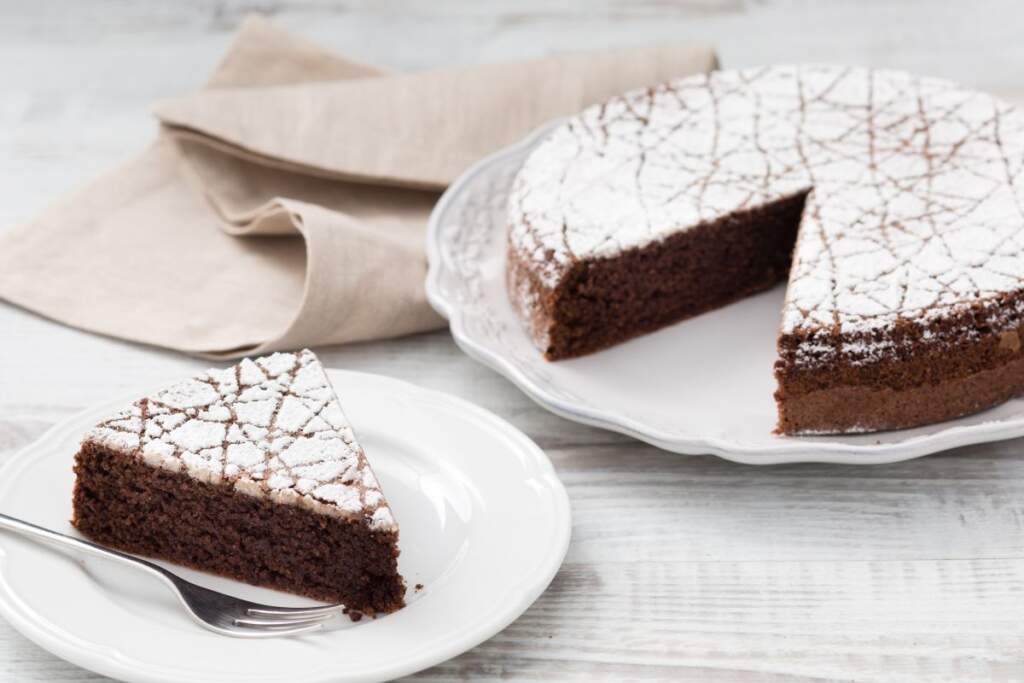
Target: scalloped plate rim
<point x="788" y="449"/>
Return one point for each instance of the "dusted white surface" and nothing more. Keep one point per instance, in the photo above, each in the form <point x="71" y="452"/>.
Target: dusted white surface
<point x="916" y="189"/>
<point x="680" y="568"/>
<point x="268" y="427"/>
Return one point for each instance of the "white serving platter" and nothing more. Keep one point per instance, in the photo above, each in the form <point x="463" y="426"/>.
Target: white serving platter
<point x="700" y="386"/>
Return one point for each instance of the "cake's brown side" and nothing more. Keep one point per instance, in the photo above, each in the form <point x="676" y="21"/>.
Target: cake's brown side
<point x="862" y="408"/>
<point x="963" y="367"/>
<point x="124" y="503"/>
<point x="602" y="302"/>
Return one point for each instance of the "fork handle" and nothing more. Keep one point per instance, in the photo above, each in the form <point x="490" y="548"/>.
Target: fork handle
<point x="59" y="540"/>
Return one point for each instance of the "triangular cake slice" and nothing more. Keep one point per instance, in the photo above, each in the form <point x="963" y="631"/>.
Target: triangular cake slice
<point x="252" y="473"/>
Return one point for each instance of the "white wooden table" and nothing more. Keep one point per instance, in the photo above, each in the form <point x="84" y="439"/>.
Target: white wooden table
<point x="680" y="567"/>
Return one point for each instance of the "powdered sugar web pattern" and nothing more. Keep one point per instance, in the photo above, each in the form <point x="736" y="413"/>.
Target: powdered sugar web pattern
<point x="915" y="204"/>
<point x="268" y="427"/>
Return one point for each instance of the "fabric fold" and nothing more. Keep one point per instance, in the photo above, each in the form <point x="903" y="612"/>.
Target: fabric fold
<point x="284" y="205"/>
<point x="419" y="129"/>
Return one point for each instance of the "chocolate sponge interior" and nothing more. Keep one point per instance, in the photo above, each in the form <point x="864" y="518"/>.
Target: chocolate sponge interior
<point x="606" y="301"/>
<point x="124" y="503"/>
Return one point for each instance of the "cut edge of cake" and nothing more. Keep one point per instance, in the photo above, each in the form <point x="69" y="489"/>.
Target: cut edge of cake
<point x="600" y="302"/>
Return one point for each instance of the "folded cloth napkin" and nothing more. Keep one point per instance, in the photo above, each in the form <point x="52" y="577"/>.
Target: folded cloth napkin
<point x="284" y="205"/>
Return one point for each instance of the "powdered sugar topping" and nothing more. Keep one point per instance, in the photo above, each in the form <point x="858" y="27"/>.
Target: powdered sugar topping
<point x="268" y="427"/>
<point x="916" y="203"/>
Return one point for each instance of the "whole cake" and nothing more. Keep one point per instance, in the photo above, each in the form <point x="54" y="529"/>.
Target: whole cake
<point x="251" y="472"/>
<point x="900" y="200"/>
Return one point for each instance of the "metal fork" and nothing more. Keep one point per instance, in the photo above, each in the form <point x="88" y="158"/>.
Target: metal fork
<point x="216" y="611"/>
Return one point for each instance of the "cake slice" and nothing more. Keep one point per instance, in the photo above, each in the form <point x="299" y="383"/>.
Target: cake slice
<point x="252" y="473"/>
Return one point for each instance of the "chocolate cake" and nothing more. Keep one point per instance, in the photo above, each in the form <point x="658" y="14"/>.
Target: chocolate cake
<point x="252" y="473"/>
<point x="900" y="199"/>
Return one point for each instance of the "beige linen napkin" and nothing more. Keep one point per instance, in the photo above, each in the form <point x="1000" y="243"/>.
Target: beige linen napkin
<point x="284" y="205"/>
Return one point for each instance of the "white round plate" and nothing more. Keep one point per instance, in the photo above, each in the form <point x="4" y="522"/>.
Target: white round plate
<point x="485" y="524"/>
<point x="703" y="385"/>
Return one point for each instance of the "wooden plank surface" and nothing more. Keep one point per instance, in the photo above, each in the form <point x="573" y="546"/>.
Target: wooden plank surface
<point x="680" y="567"/>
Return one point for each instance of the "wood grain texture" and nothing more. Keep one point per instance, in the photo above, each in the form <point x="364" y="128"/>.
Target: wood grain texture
<point x="681" y="568"/>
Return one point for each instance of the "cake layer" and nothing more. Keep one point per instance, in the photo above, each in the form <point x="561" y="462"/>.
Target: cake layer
<point x="121" y="502"/>
<point x="852" y="409"/>
<point x="910" y="376"/>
